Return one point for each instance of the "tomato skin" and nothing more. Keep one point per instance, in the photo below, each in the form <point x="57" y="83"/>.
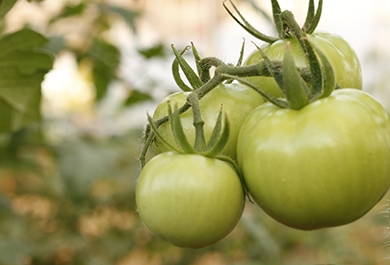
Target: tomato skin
<point x="189" y="200"/>
<point x="340" y="54"/>
<point x="322" y="166"/>
<point x="238" y="101"/>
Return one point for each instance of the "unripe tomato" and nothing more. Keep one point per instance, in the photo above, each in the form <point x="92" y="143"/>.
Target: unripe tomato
<point x="340" y="54"/>
<point x="189" y="200"/>
<point x="324" y="165"/>
<point x="238" y="101"/>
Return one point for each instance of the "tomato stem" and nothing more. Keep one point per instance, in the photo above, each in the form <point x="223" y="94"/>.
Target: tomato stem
<point x="200" y="140"/>
<point x="222" y="73"/>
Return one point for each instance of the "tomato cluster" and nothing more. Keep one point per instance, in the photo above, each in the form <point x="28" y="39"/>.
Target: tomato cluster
<point x="299" y="136"/>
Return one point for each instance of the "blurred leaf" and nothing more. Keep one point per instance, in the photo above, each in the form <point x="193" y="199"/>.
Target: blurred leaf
<point x="5" y="206"/>
<point x="102" y="77"/>
<point x="13" y="251"/>
<point x="22" y="69"/>
<point x="106" y="58"/>
<point x="5" y="6"/>
<point x="128" y="15"/>
<point x="55" y="44"/>
<point x="26" y="67"/>
<point x="24" y="39"/>
<point x="82" y="161"/>
<point x="137" y="97"/>
<point x="156" y="51"/>
<point x="70" y="10"/>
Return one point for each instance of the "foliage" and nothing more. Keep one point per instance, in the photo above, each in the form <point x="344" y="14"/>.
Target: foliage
<point x="69" y="199"/>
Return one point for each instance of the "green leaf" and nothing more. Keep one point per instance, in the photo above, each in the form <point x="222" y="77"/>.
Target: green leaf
<point x="128" y="15"/>
<point x="84" y="160"/>
<point x="22" y="69"/>
<point x="24" y="39"/>
<point x="20" y="98"/>
<point x="5" y="6"/>
<point x="105" y="58"/>
<point x="157" y="50"/>
<point x="102" y="77"/>
<point x="70" y="10"/>
<point x="13" y="251"/>
<point x="137" y="96"/>
<point x="35" y="61"/>
<point x="55" y="44"/>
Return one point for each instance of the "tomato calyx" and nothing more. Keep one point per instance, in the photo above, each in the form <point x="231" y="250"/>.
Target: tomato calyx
<point x="212" y="148"/>
<point x="202" y="82"/>
<point x="312" y="19"/>
<point x="297" y="90"/>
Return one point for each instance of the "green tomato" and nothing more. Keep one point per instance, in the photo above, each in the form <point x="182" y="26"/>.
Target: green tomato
<point x="322" y="166"/>
<point x="237" y="100"/>
<point x="340" y="54"/>
<point x="189" y="200"/>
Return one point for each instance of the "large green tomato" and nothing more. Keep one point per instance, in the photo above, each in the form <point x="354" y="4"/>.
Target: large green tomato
<point x="189" y="200"/>
<point x="324" y="165"/>
<point x="237" y="100"/>
<point x="340" y="54"/>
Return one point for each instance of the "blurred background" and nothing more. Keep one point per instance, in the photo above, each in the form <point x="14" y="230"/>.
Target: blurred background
<point x="67" y="183"/>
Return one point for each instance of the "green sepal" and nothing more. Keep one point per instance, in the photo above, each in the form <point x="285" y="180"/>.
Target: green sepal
<point x="192" y="77"/>
<point x="157" y="133"/>
<point x="178" y="132"/>
<point x="239" y="173"/>
<point x="248" y="27"/>
<point x="218" y="139"/>
<point x="315" y="68"/>
<point x="276" y="11"/>
<point x="242" y="51"/>
<point x="275" y="72"/>
<point x="197" y="58"/>
<point x="314" y="64"/>
<point x="281" y="103"/>
<point x="313" y="25"/>
<point x="240" y="60"/>
<point x="296" y="93"/>
<point x="328" y="75"/>
<point x="216" y="131"/>
<point x="176" y="73"/>
<point x="309" y="16"/>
